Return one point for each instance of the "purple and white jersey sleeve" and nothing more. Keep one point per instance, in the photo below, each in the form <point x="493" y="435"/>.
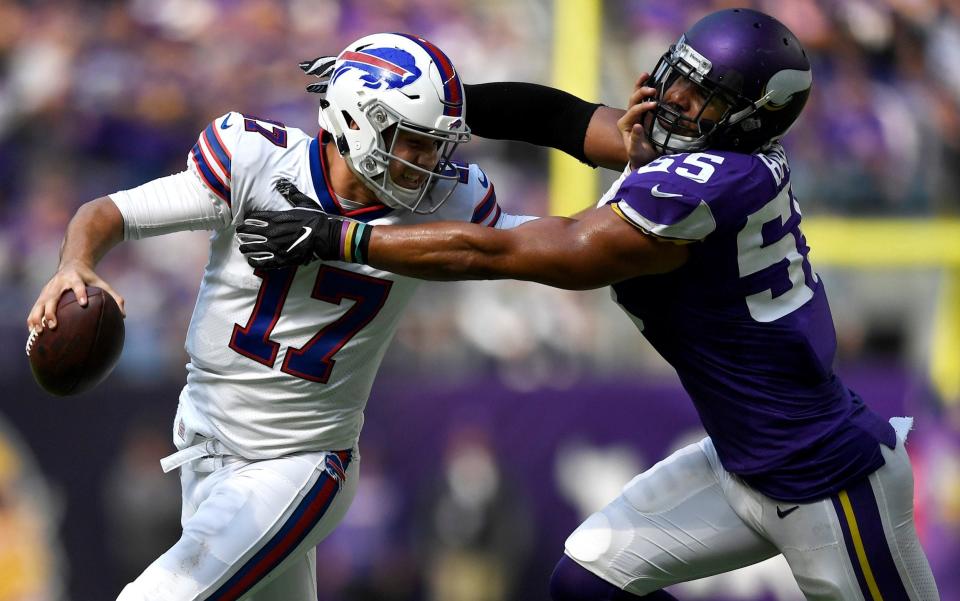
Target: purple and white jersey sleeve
<point x="690" y="196"/>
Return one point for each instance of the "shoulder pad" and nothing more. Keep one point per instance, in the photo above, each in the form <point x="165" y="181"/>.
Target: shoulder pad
<point x="688" y="196"/>
<point x="667" y="196"/>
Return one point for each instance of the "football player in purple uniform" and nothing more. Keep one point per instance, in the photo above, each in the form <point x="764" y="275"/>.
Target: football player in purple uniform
<point x="703" y="248"/>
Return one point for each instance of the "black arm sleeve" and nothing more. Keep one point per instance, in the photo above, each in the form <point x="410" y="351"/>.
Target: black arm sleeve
<point x="531" y="113"/>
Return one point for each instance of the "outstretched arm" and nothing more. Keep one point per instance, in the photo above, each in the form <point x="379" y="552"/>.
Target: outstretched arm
<point x="596" y="250"/>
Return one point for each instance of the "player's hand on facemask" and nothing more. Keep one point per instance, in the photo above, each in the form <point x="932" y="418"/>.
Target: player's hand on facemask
<point x="631" y="124"/>
<point x="321" y="68"/>
<point x="297" y="236"/>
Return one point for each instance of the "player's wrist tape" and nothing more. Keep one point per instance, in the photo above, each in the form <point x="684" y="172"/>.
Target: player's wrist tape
<point x="354" y="241"/>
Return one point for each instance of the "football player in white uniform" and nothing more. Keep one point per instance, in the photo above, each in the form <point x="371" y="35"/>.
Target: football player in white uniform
<point x="282" y="361"/>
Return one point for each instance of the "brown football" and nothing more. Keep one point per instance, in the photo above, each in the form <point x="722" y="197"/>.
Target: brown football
<point x="84" y="347"/>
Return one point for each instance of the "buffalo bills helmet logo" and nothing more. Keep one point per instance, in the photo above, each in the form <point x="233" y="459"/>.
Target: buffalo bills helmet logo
<point x="391" y="66"/>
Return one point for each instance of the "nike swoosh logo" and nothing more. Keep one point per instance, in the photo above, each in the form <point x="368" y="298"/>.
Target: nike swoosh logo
<point x="782" y="514"/>
<point x="224" y="124"/>
<point x="307" y="230"/>
<point x="655" y="191"/>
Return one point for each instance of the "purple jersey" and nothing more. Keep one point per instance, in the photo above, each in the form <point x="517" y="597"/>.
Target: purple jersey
<point x="746" y="324"/>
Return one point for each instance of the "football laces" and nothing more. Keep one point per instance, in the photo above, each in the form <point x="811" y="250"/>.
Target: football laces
<point x="32" y="339"/>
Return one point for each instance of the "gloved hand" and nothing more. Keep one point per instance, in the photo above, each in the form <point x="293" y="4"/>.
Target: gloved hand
<point x="321" y="68"/>
<point x="301" y="235"/>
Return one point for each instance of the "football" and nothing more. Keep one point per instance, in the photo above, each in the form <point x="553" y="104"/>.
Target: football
<point x="84" y="347"/>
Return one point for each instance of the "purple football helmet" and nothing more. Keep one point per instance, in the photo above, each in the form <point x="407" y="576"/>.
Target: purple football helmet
<point x="752" y="72"/>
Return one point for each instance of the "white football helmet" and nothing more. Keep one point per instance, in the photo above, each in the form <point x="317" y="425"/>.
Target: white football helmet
<point x="388" y="79"/>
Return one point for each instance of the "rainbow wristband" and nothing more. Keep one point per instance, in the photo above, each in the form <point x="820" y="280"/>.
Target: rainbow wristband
<point x="354" y="241"/>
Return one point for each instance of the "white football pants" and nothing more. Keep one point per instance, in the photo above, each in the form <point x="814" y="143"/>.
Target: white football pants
<point x="687" y="518"/>
<point x="250" y="529"/>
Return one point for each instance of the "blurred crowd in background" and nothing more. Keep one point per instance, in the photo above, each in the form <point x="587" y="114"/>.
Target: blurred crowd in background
<point x="101" y="96"/>
<point x="98" y="96"/>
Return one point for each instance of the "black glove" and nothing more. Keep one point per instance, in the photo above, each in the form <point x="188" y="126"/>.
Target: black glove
<point x="275" y="239"/>
<point x="322" y="68"/>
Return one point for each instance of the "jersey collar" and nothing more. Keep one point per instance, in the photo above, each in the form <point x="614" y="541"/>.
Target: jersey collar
<point x="319" y="171"/>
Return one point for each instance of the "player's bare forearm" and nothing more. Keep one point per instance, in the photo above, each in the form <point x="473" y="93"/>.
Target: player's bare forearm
<point x="598" y="250"/>
<point x="96" y="227"/>
<point x="603" y="144"/>
<point x="462" y="251"/>
<point x="615" y="136"/>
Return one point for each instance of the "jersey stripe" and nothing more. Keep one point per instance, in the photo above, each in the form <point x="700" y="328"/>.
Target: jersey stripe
<point x="304" y="518"/>
<point x="213" y="162"/>
<point x="486" y="207"/>
<point x="216" y="144"/>
<point x="208" y="176"/>
<point x="452" y="90"/>
<point x="697" y="225"/>
<point x="496" y="217"/>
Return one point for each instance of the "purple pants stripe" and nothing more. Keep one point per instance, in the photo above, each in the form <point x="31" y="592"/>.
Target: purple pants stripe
<point x="866" y="543"/>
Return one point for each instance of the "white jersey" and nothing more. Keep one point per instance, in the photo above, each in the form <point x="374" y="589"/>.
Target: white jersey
<point x="282" y="361"/>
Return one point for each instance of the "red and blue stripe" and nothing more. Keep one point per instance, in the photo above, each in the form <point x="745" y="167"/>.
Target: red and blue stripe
<point x="301" y="522"/>
<point x="487" y="207"/>
<point x="223" y="158"/>
<point x="452" y="89"/>
<point x="867" y="544"/>
<point x="374" y="61"/>
<point x="213" y="162"/>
